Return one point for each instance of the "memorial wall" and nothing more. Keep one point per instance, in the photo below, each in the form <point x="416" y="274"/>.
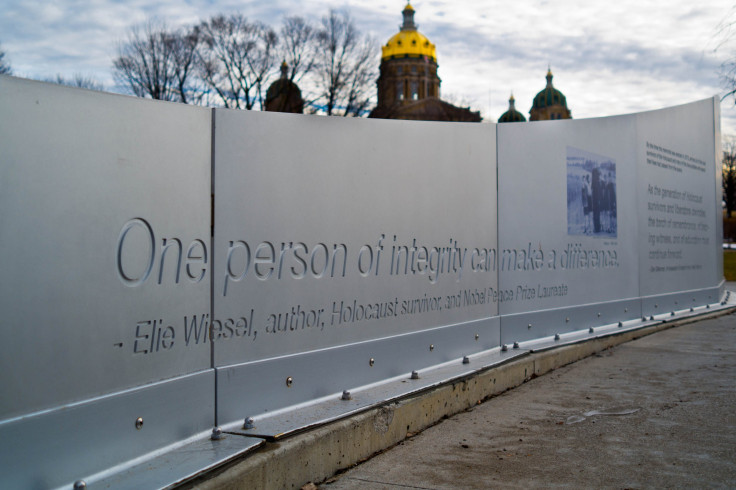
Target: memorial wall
<point x="170" y="268"/>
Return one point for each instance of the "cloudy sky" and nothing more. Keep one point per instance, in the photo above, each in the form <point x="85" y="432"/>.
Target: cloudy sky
<point x="607" y="57"/>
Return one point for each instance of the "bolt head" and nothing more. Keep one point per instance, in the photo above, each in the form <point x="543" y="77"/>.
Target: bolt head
<point x="620" y="324"/>
<point x="466" y="360"/>
<point x="346" y="395"/>
<point x="557" y="336"/>
<point x="289" y="382"/>
<point x="516" y="345"/>
<point x="249" y="423"/>
<point x="414" y="375"/>
<point x="80" y="485"/>
<point x="504" y="348"/>
<point x="371" y="362"/>
<point x="477" y="336"/>
<point x="216" y="434"/>
<point x="139" y="423"/>
<point x="591" y="330"/>
<point x="431" y="347"/>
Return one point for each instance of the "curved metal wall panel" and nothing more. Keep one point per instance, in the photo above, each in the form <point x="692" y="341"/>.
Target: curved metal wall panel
<point x="330" y="232"/>
<point x="680" y="214"/>
<point x="104" y="239"/>
<point x="567" y="225"/>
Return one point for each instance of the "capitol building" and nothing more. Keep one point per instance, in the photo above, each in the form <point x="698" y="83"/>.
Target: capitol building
<point x="409" y="86"/>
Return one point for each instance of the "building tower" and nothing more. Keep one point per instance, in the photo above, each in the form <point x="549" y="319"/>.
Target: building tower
<point x="550" y="103"/>
<point x="408" y="85"/>
<point x="284" y="95"/>
<point x="512" y="115"/>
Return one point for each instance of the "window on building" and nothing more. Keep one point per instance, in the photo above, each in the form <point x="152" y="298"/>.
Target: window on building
<point x="414" y="69"/>
<point x="399" y="91"/>
<point x="399" y="70"/>
<point x="414" y="90"/>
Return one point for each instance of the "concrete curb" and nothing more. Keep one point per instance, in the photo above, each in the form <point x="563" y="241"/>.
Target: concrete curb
<point x="320" y="453"/>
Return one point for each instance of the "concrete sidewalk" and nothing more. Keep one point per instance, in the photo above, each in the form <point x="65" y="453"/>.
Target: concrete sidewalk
<point x="659" y="411"/>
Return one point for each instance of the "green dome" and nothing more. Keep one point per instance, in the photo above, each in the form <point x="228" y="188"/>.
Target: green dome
<point x="549" y="96"/>
<point x="512" y="115"/>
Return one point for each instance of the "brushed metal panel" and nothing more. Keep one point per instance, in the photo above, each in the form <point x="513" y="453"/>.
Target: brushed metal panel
<point x="98" y="192"/>
<point x="683" y="300"/>
<point x="311" y="211"/>
<point x="678" y="236"/>
<point x="553" y="255"/>
<point x="521" y="327"/>
<point x="60" y="446"/>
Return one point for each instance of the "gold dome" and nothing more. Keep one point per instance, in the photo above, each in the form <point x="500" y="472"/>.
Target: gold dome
<point x="408" y="42"/>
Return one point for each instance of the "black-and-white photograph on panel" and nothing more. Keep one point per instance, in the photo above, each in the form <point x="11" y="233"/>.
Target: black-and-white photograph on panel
<point x="591" y="194"/>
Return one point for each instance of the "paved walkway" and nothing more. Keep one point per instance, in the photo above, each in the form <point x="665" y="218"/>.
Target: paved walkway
<point x="656" y="412"/>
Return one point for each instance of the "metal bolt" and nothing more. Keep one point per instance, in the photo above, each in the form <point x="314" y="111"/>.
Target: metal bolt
<point x="431" y="346"/>
<point x="504" y="348"/>
<point x="466" y="360"/>
<point x="477" y="336"/>
<point x="672" y="314"/>
<point x="557" y="336"/>
<point x="643" y="318"/>
<point x="529" y="326"/>
<point x="626" y="310"/>
<point x="656" y="305"/>
<point x="599" y="315"/>
<point x="591" y="330"/>
<point x="249" y="423"/>
<point x="707" y="306"/>
<point x="414" y="375"/>
<point x="371" y="362"/>
<point x="216" y="434"/>
<point x="651" y="317"/>
<point x="138" y="424"/>
<point x="620" y="324"/>
<point x="346" y="395"/>
<point x="80" y="485"/>
<point x="516" y="345"/>
<point x="289" y="381"/>
<point x="692" y="309"/>
<point x="567" y="320"/>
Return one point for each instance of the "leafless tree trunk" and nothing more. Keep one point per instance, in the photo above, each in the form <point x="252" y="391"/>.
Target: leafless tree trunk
<point x="4" y="64"/>
<point x="298" y="47"/>
<point x="346" y="66"/>
<point x="157" y="63"/>
<point x="235" y="58"/>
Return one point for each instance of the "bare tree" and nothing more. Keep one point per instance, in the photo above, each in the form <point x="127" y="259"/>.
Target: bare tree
<point x="297" y="47"/>
<point x="78" y="80"/>
<point x="235" y="59"/>
<point x="729" y="177"/>
<point x="157" y="63"/>
<point x="4" y="64"/>
<point x="346" y="66"/>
